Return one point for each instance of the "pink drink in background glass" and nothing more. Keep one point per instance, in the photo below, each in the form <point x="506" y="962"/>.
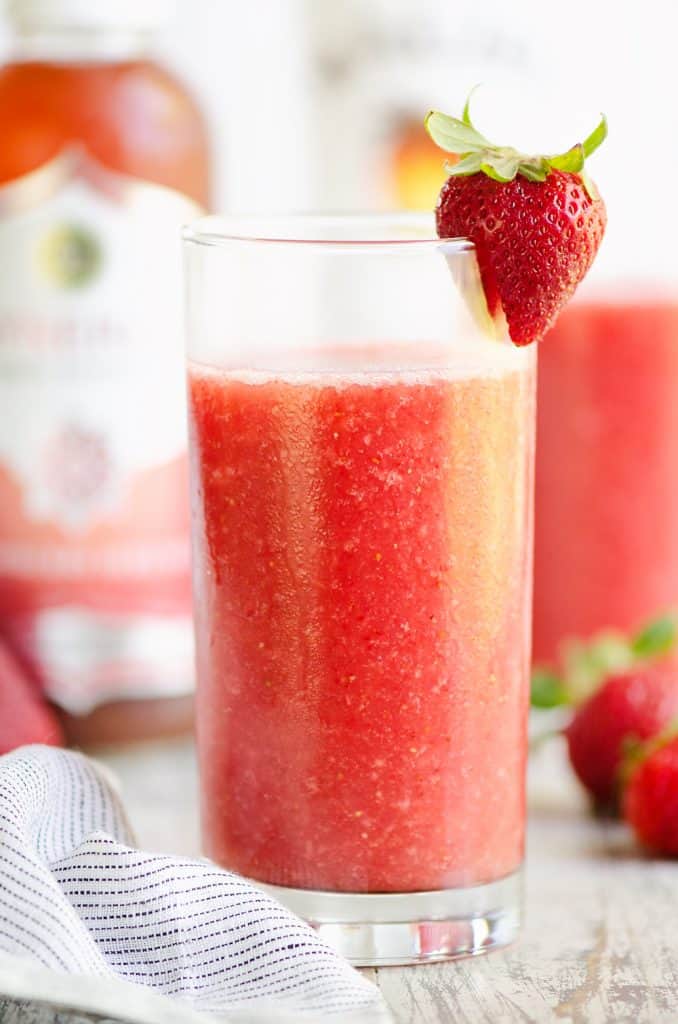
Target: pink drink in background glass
<point x="606" y="540"/>
<point x="362" y="540"/>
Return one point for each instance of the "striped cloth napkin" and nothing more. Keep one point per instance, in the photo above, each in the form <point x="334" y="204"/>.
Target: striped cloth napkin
<point x="90" y="923"/>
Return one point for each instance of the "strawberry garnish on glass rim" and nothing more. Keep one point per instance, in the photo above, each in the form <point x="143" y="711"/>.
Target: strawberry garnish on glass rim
<point x="536" y="221"/>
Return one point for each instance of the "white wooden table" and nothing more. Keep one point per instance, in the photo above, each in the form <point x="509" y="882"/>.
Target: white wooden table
<point x="600" y="942"/>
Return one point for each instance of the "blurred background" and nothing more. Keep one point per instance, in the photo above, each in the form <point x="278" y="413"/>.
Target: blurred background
<point x="315" y="104"/>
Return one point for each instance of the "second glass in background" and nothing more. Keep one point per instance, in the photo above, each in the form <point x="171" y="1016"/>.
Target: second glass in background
<point x="606" y="543"/>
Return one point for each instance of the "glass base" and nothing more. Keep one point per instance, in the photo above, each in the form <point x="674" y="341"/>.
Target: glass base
<point x="387" y="929"/>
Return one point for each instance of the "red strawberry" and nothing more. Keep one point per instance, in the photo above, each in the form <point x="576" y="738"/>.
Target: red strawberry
<point x="651" y="797"/>
<point x="24" y="716"/>
<point x="536" y="221"/>
<point x="623" y="689"/>
<point x="635" y="705"/>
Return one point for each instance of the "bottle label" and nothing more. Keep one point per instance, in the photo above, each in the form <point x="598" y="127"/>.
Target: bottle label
<point x="94" y="523"/>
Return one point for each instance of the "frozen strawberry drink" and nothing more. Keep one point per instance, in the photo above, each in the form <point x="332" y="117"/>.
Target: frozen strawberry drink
<point x="364" y="557"/>
<point x="362" y="530"/>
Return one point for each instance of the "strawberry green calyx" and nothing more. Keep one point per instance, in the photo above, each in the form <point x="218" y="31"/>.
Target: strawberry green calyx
<point x="586" y="665"/>
<point x="656" y="638"/>
<point x="502" y="163"/>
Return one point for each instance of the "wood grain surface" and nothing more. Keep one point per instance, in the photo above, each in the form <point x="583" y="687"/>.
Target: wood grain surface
<point x="600" y="941"/>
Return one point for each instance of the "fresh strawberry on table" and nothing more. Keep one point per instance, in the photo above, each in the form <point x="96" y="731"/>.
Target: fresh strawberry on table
<point x="635" y="705"/>
<point x="24" y="716"/>
<point x="536" y="221"/>
<point x="622" y="690"/>
<point x="651" y="795"/>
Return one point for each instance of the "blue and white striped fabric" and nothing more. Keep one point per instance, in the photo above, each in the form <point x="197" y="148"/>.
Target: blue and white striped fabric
<point x="78" y="901"/>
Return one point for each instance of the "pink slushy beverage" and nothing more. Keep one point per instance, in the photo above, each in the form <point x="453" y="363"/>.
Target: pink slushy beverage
<point x="363" y="567"/>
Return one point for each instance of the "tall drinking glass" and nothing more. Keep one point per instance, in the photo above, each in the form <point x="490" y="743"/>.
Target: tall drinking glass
<point x="362" y="463"/>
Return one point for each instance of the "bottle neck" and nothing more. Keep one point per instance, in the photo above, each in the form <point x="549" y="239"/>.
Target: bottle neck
<point x="82" y="46"/>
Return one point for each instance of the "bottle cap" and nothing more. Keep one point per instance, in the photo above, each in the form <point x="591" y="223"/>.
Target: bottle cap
<point x="83" y="15"/>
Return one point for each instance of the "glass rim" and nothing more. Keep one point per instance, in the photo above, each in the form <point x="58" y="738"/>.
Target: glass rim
<point x="396" y="232"/>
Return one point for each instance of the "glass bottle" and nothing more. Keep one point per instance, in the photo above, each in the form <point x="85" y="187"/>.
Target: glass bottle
<point x="104" y="156"/>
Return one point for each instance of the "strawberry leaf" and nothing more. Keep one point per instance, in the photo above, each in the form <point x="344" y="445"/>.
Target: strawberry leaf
<point x="466" y="115"/>
<point x="453" y="135"/>
<point x="572" y="161"/>
<point x="502" y="166"/>
<point x="597" y="136"/>
<point x="547" y="689"/>
<point x="589" y="185"/>
<point x="657" y="638"/>
<point x="470" y="164"/>
<point x="533" y="172"/>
